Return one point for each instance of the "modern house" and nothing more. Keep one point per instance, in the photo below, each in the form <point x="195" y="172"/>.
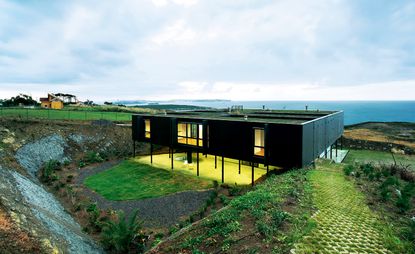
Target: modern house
<point x="52" y="102"/>
<point x="282" y="138"/>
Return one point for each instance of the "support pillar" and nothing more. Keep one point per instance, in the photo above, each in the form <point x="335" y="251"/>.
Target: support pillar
<point x="331" y="152"/>
<point x="336" y="146"/>
<point x="252" y="174"/>
<point x="151" y="153"/>
<point x="223" y="170"/>
<point x="172" y="158"/>
<point x="169" y="152"/>
<point x="341" y="143"/>
<point x="197" y="162"/>
<point x="267" y="169"/>
<point x="189" y="157"/>
<point x="325" y="153"/>
<point x="239" y="167"/>
<point x="216" y="162"/>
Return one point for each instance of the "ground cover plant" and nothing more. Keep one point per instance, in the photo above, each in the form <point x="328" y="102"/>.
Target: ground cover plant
<point x="389" y="190"/>
<point x="376" y="157"/>
<point x="276" y="213"/>
<point x="134" y="180"/>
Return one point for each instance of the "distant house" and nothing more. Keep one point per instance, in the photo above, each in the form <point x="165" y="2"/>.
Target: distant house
<point x="51" y="102"/>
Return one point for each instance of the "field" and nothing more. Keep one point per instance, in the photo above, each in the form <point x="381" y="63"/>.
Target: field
<point x="50" y="114"/>
<point x="366" y="156"/>
<point x="134" y="180"/>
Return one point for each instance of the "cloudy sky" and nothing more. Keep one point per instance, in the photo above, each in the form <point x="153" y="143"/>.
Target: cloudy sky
<point x="209" y="49"/>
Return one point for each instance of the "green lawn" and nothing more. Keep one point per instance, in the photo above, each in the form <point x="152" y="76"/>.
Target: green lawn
<point x="134" y="180"/>
<point x="378" y="157"/>
<point x="63" y="114"/>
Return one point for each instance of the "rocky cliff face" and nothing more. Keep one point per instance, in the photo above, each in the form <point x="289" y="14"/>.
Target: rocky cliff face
<point x="24" y="148"/>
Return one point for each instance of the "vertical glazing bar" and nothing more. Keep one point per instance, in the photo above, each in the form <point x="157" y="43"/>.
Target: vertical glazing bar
<point x="197" y="162"/>
<point x="223" y="170"/>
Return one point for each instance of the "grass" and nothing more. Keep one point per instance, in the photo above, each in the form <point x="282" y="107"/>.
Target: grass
<point x="268" y="219"/>
<point x="366" y="156"/>
<point x="83" y="115"/>
<point x="207" y="169"/>
<point x="132" y="180"/>
<point x="344" y="221"/>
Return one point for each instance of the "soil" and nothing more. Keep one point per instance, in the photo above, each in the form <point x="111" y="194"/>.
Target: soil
<point x="395" y="133"/>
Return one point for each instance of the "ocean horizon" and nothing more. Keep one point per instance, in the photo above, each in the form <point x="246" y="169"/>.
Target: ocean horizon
<point x="354" y="111"/>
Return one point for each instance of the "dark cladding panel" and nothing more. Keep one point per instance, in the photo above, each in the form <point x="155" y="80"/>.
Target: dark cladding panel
<point x="137" y="128"/>
<point x="324" y="132"/>
<point x="284" y="145"/>
<point x="160" y="130"/>
<point x="231" y="139"/>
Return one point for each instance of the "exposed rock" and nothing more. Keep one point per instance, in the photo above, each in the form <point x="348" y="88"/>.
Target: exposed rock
<point x="34" y="155"/>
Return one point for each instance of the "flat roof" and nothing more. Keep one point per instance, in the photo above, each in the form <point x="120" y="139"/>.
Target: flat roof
<point x="296" y="117"/>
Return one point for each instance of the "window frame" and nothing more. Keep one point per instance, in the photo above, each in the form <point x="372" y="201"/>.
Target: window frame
<point x="190" y="128"/>
<point x="255" y="146"/>
<point x="147" y="133"/>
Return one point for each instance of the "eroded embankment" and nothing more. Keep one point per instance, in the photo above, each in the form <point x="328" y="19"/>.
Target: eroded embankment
<point x="25" y="147"/>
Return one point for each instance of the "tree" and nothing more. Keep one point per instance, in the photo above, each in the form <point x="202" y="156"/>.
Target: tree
<point x="21" y="99"/>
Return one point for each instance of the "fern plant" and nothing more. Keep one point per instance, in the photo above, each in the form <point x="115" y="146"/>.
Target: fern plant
<point x="124" y="235"/>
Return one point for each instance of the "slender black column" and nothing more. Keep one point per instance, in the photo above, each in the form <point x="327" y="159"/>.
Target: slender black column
<point x="331" y="151"/>
<point x="252" y="174"/>
<point x="216" y="162"/>
<point x="341" y="143"/>
<point x="239" y="171"/>
<point x="325" y="153"/>
<point x="267" y="169"/>
<point x="336" y="146"/>
<point x="169" y="152"/>
<point x="133" y="148"/>
<point x="151" y="153"/>
<point x="172" y="158"/>
<point x="197" y="162"/>
<point x="223" y="170"/>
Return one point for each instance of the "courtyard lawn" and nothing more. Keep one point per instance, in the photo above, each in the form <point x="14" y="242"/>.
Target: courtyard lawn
<point x="134" y="180"/>
<point x="207" y="169"/>
<point x="366" y="156"/>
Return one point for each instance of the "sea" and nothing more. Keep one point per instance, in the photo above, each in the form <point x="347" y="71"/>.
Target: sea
<point x="354" y="111"/>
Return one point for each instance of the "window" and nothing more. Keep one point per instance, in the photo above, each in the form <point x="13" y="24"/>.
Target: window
<point x="147" y="129"/>
<point x="259" y="142"/>
<point x="190" y="134"/>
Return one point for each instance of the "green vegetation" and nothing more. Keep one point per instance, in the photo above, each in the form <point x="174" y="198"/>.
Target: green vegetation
<point x="124" y="235"/>
<point x="366" y="156"/>
<point x="390" y="190"/>
<point x="134" y="180"/>
<point x="51" y="114"/>
<point x="276" y="213"/>
<point x="21" y="99"/>
<point x="344" y="221"/>
<point x="47" y="172"/>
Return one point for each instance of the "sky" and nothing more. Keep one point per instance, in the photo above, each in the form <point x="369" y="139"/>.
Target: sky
<point x="209" y="49"/>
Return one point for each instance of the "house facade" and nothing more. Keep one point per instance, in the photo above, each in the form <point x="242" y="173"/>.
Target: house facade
<point x="286" y="139"/>
<point x="52" y="102"/>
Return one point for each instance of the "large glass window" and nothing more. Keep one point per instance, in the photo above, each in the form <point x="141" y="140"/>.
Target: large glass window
<point x="147" y="130"/>
<point x="190" y="134"/>
<point x="259" y="142"/>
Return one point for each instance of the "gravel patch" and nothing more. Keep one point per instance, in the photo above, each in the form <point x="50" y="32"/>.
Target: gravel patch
<point x="53" y="216"/>
<point x="155" y="212"/>
<point x="34" y="155"/>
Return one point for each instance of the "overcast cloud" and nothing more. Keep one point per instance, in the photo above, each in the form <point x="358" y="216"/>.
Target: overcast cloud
<point x="194" y="49"/>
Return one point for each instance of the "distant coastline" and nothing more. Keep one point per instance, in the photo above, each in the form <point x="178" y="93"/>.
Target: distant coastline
<point x="354" y="111"/>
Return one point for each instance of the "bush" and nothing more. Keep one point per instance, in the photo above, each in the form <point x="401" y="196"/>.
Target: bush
<point x="224" y="199"/>
<point x="123" y="234"/>
<point x="48" y="171"/>
<point x="386" y="187"/>
<point x="94" y="214"/>
<point x="405" y="197"/>
<point x="348" y="169"/>
<point x="93" y="157"/>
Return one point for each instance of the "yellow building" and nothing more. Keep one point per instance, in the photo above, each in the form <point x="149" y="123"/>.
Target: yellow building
<point x="51" y="102"/>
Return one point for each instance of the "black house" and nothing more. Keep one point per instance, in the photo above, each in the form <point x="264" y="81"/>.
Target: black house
<point x="282" y="138"/>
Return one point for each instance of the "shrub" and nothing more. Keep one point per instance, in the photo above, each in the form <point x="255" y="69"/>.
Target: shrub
<point x="94" y="214"/>
<point x="123" y="234"/>
<point x="93" y="157"/>
<point x="367" y="169"/>
<point x="404" y="199"/>
<point x="48" y="171"/>
<point x="224" y="199"/>
<point x="385" y="187"/>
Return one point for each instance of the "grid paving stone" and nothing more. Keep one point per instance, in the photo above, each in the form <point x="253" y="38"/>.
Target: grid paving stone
<point x="345" y="224"/>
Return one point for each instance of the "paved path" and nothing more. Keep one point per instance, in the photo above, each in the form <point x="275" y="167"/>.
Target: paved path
<point x="345" y="224"/>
